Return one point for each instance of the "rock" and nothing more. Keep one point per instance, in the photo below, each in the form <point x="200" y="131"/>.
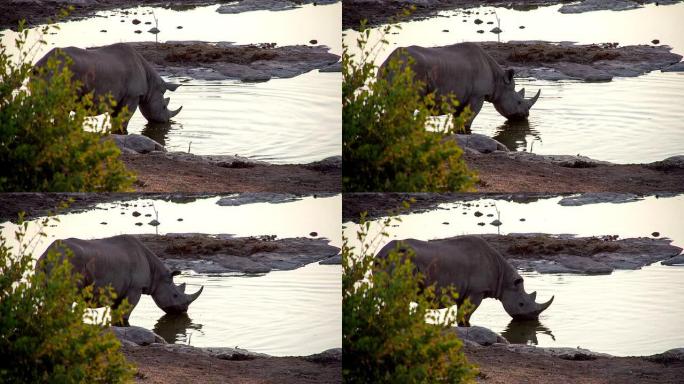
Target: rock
<point x="313" y="234"/>
<point x="335" y="67"/>
<point x="445" y="30"/>
<point x="268" y="5"/>
<point x="179" y="27"/>
<point x="598" y="197"/>
<point x="180" y="219"/>
<point x="154" y="30"/>
<point x="480" y="335"/>
<point x="138" y="143"/>
<point x="478" y="21"/>
<point x="490" y="215"/>
<point x="496" y="223"/>
<point x="480" y="31"/>
<point x="103" y="30"/>
<point x="522" y="27"/>
<point x="138" y="224"/>
<point x="677" y="260"/>
<point x="678" y="67"/>
<point x="481" y="224"/>
<point x="333" y="260"/>
<point x="490" y="22"/>
<point x="598" y="5"/>
<point x="104" y="223"/>
<point x="137" y="31"/>
<point x="522" y="219"/>
<point x="477" y="141"/>
<point x="568" y="161"/>
<point x="578" y="354"/>
<point x="478" y="213"/>
<point x="655" y="234"/>
<point x="673" y="162"/>
<point x="136" y="213"/>
<point x="655" y="41"/>
<point x="668" y="357"/>
<point x="327" y="356"/>
<point x="331" y="163"/>
<point x="137" y="335"/>
<point x="154" y="223"/>
<point x="136" y="21"/>
<point x="580" y="264"/>
<point x="496" y="30"/>
<point x="313" y="41"/>
<point x="257" y="197"/>
<point x="148" y="22"/>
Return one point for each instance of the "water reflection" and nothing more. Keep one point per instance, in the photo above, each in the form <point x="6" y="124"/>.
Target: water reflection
<point x="174" y="328"/>
<point x="159" y="132"/>
<point x="514" y="135"/>
<point x="525" y="331"/>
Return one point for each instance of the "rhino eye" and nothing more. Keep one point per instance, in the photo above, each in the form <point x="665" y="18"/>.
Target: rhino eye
<point x="176" y="295"/>
<point x="519" y="102"/>
<point x="520" y="304"/>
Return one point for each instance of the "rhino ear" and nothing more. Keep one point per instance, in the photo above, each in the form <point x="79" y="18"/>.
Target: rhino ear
<point x="175" y="273"/>
<point x="508" y="78"/>
<point x="171" y="86"/>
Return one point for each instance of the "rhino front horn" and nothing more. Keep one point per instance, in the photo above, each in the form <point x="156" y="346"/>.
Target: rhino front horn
<point x="533" y="100"/>
<point x="542" y="307"/>
<point x="193" y="296"/>
<point x="174" y="113"/>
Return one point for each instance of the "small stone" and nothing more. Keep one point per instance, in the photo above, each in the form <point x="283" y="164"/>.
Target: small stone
<point x="136" y="213"/>
<point x="148" y="215"/>
<point x="522" y="27"/>
<point x="496" y="30"/>
<point x="478" y="213"/>
<point x="480" y="31"/>
<point x="655" y="234"/>
<point x="478" y="21"/>
<point x="490" y="22"/>
<point x="522" y="219"/>
<point x="179" y="27"/>
<point x="481" y="224"/>
<point x="446" y="223"/>
<point x="103" y="30"/>
<point x="104" y="223"/>
<point x="137" y="31"/>
<point x="313" y="41"/>
<point x="445" y="30"/>
<point x="490" y="215"/>
<point x="465" y="213"/>
<point x="148" y="22"/>
<point x="313" y="234"/>
<point x="464" y="20"/>
<point x="138" y="224"/>
<point x="123" y="213"/>
<point x="496" y="223"/>
<point x="154" y="223"/>
<point x="180" y="219"/>
<point x="154" y="30"/>
<point x="136" y="21"/>
<point x="123" y="21"/>
<point x="655" y="41"/>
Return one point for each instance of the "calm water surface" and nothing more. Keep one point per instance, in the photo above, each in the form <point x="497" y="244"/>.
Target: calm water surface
<point x="279" y="313"/>
<point x="629" y="120"/>
<point x="281" y="121"/>
<point x="602" y="313"/>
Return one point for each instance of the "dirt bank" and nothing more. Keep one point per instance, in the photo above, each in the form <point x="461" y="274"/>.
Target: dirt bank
<point x="224" y="60"/>
<point x="519" y="171"/>
<point x="590" y="62"/>
<point x="163" y="363"/>
<point x="507" y="364"/>
<point x="378" y="12"/>
<point x="225" y="253"/>
<point x="160" y="172"/>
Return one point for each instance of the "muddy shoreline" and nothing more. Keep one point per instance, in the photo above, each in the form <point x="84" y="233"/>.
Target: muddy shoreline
<point x="224" y="253"/>
<point x="223" y="60"/>
<point x="378" y="12"/>
<point x="170" y="363"/>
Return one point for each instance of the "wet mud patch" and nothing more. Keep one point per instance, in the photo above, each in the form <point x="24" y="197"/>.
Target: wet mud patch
<point x="590" y="62"/>
<point x="546" y="253"/>
<point x="224" y="60"/>
<point x="222" y="253"/>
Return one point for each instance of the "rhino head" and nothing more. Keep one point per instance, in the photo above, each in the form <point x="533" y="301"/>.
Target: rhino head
<point x="519" y="304"/>
<point x="509" y="103"/>
<point x="154" y="106"/>
<point x="171" y="298"/>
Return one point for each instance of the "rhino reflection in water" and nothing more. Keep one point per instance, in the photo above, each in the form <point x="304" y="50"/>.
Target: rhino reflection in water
<point x="129" y="267"/>
<point x="120" y="70"/>
<point x="470" y="74"/>
<point x="525" y="332"/>
<point x="174" y="328"/>
<point x="475" y="270"/>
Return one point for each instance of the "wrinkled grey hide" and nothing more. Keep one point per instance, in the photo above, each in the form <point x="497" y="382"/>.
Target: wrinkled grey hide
<point x="120" y="70"/>
<point x="475" y="270"/>
<point x="131" y="269"/>
<point x="470" y="74"/>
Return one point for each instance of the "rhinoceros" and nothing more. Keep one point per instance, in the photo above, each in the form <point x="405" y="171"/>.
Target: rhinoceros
<point x="129" y="267"/>
<point x="468" y="73"/>
<point x="120" y="70"/>
<point x="474" y="269"/>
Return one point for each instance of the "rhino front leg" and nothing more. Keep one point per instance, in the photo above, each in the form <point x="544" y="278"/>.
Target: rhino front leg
<point x="475" y="301"/>
<point x="475" y="105"/>
<point x="132" y="104"/>
<point x="133" y="297"/>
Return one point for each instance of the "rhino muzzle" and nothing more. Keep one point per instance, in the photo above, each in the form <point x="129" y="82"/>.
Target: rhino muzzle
<point x="533" y="315"/>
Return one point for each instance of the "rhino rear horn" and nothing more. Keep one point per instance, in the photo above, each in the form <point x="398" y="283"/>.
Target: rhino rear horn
<point x="181" y="287"/>
<point x="522" y="93"/>
<point x="533" y="295"/>
<point x="166" y="101"/>
<point x="533" y="100"/>
<point x="193" y="296"/>
<point x="171" y="86"/>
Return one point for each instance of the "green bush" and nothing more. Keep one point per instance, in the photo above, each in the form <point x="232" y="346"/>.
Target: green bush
<point x="47" y="141"/>
<point x="389" y="141"/>
<point x="43" y="336"/>
<point x="385" y="335"/>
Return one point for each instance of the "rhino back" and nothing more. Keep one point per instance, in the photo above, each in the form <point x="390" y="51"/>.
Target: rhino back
<point x="463" y="70"/>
